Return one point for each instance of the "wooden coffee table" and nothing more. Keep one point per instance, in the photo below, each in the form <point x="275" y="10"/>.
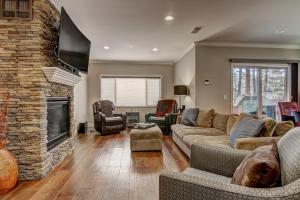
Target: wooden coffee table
<point x="149" y="139"/>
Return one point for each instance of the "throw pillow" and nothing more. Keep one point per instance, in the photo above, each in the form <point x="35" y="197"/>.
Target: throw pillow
<point x="205" y="118"/>
<point x="220" y="121"/>
<point x="241" y="117"/>
<point x="245" y="128"/>
<point x="289" y="152"/>
<point x="269" y="127"/>
<point x="189" y="116"/>
<point x="260" y="169"/>
<point x="283" y="127"/>
<point x="231" y="120"/>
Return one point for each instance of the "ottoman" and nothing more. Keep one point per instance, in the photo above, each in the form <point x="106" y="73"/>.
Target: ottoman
<point x="146" y="140"/>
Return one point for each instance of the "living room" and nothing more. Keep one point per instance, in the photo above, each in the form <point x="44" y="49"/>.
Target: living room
<point x="149" y="100"/>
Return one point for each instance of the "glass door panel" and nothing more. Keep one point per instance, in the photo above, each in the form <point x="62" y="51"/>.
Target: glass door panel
<point x="274" y="89"/>
<point x="245" y="90"/>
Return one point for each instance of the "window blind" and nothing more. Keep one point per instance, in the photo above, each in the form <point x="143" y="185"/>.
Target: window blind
<point x="131" y="92"/>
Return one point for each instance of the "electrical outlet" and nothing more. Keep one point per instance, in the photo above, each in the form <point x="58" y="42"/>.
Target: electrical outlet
<point x="225" y="97"/>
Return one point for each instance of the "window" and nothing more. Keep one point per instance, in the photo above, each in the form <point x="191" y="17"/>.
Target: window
<point x="256" y="89"/>
<point x="131" y="91"/>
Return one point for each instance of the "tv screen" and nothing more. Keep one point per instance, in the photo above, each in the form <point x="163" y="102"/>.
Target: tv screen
<point x="73" y="46"/>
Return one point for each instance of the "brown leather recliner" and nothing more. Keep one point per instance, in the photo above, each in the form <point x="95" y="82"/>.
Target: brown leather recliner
<point x="106" y="121"/>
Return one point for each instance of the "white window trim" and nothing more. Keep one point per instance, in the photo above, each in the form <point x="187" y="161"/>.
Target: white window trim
<point x="133" y="76"/>
<point x="260" y="66"/>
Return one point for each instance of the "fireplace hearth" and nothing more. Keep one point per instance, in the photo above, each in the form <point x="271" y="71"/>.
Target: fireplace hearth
<point x="58" y="128"/>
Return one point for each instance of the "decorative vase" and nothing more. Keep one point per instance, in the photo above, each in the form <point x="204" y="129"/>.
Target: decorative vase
<point x="8" y="171"/>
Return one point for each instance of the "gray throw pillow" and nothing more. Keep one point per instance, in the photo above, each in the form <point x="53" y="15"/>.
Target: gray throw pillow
<point x="189" y="116"/>
<point x="245" y="129"/>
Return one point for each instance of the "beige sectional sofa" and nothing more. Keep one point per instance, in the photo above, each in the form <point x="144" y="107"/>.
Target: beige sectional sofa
<point x="217" y="135"/>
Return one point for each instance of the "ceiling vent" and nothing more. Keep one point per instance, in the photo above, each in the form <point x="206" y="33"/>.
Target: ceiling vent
<point x="196" y="29"/>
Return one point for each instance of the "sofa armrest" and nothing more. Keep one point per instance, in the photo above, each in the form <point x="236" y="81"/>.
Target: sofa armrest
<point x="217" y="160"/>
<point x="254" y="142"/>
<point x="179" y="186"/>
<point x="148" y="115"/>
<point x="122" y="115"/>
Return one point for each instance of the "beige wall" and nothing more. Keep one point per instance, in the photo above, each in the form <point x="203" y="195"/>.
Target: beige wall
<point x="212" y="63"/>
<point x="95" y="70"/>
<point x="185" y="75"/>
<point x="80" y="100"/>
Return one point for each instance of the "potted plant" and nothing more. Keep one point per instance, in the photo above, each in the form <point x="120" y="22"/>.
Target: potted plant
<point x="8" y="163"/>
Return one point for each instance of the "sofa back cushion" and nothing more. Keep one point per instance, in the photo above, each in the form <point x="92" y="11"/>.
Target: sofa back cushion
<point x="260" y="169"/>
<point x="220" y="121"/>
<point x="289" y="152"/>
<point x="189" y="116"/>
<point x="205" y="118"/>
<point x="245" y="128"/>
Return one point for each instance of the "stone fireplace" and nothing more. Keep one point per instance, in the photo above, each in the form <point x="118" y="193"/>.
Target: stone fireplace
<point x="26" y="47"/>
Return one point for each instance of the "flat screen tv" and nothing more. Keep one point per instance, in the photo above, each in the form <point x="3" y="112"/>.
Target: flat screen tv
<point x="73" y="46"/>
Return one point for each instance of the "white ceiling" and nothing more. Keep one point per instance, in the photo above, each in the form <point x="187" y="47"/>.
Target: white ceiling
<point x="140" y="23"/>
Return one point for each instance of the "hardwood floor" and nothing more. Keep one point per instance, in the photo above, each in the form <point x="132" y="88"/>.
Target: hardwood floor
<point x="102" y="167"/>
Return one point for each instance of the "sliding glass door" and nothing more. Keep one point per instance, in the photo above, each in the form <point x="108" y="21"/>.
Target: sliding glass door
<point x="256" y="89"/>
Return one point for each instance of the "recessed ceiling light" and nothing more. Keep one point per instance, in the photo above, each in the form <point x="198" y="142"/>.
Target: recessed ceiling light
<point x="169" y="18"/>
<point x="106" y="47"/>
<point x="155" y="49"/>
<point x="131" y="46"/>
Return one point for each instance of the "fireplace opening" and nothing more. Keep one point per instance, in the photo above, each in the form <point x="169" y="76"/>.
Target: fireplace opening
<point x="58" y="129"/>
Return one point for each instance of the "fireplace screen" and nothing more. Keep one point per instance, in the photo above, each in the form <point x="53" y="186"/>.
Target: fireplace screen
<point x="58" y="121"/>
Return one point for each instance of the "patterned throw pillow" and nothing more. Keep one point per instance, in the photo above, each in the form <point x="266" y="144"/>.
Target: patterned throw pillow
<point x="289" y="152"/>
<point x="283" y="127"/>
<point x="189" y="116"/>
<point x="205" y="118"/>
<point x="269" y="127"/>
<point x="260" y="169"/>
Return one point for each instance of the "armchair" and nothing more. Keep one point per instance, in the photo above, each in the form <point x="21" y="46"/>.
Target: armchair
<point x="106" y="120"/>
<point x="289" y="112"/>
<point x="165" y="115"/>
<point x="209" y="176"/>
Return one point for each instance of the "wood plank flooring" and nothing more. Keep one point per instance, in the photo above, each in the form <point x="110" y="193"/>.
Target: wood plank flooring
<point x="102" y="167"/>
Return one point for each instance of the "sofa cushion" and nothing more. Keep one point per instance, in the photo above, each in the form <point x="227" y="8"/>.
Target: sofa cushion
<point x="220" y="121"/>
<point x="268" y="128"/>
<point x="189" y="116"/>
<point x="289" y="152"/>
<point x="283" y="127"/>
<point x="182" y="130"/>
<point x="205" y="118"/>
<point x="254" y="142"/>
<point x="231" y="120"/>
<point x="160" y="121"/>
<point x="207" y="175"/>
<point x="260" y="169"/>
<point x="220" y="141"/>
<point x="245" y="128"/>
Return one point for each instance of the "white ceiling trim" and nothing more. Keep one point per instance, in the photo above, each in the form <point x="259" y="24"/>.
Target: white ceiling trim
<point x="130" y="62"/>
<point x="249" y="45"/>
<point x="185" y="52"/>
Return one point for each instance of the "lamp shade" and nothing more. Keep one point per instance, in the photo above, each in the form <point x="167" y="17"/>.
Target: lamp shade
<point x="180" y="90"/>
